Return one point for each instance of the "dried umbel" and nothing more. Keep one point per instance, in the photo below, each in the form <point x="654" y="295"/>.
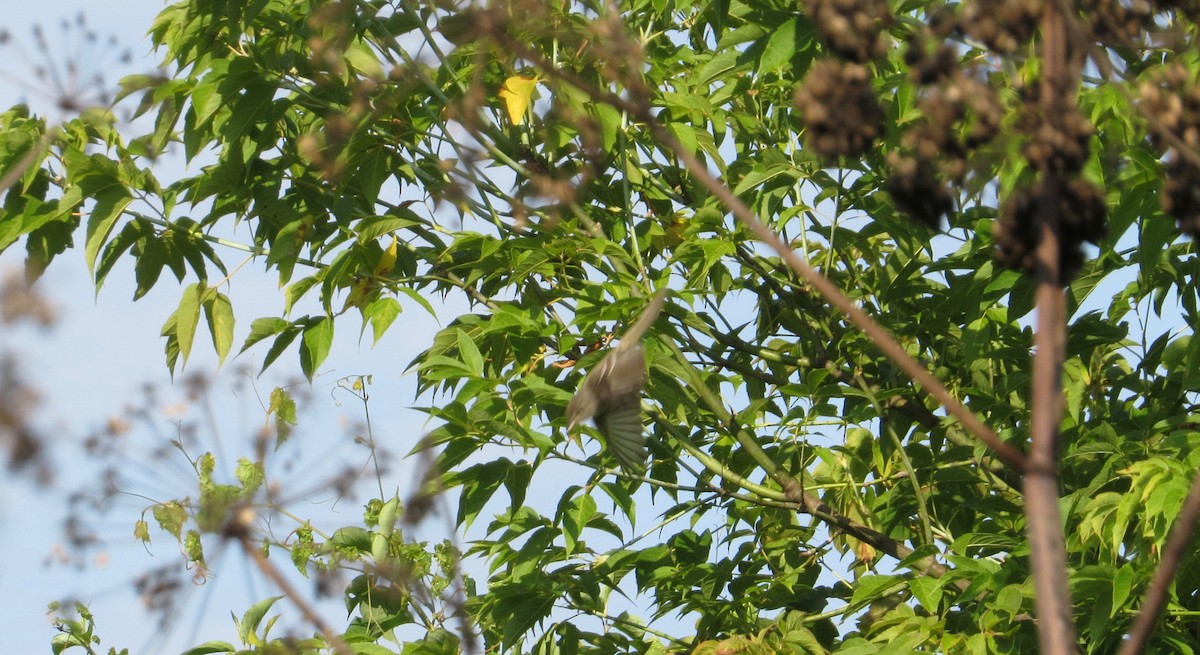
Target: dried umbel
<point x="1060" y="144"/>
<point x="1082" y="215"/>
<point x="1001" y="25"/>
<point x="1058" y="139"/>
<point x="853" y="29"/>
<point x="1118" y="22"/>
<point x="927" y="66"/>
<point x="917" y="191"/>
<point x="1172" y="96"/>
<point x="1189" y="8"/>
<point x="1181" y="195"/>
<point x="841" y="114"/>
<point x="959" y="114"/>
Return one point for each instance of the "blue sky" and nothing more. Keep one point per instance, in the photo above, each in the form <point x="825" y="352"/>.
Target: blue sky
<point x="103" y="352"/>
<point x="97" y="361"/>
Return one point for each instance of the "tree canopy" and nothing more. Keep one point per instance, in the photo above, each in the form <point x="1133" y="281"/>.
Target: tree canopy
<point x="948" y="166"/>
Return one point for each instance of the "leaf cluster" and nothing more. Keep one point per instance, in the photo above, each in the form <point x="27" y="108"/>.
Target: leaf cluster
<point x="372" y="151"/>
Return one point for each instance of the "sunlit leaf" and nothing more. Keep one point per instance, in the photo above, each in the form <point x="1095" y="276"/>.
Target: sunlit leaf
<point x="517" y="94"/>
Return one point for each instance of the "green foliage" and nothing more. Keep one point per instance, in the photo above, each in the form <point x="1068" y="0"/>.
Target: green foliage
<point x="365" y="147"/>
<point x="78" y="633"/>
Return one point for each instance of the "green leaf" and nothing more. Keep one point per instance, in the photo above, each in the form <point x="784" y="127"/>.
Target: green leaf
<point x="133" y="232"/>
<point x="209" y="647"/>
<point x="582" y="509"/>
<point x="249" y="109"/>
<point x="218" y="310"/>
<point x="470" y="354"/>
<point x="248" y="625"/>
<point x="170" y="517"/>
<point x="187" y="316"/>
<point x="109" y="205"/>
<point x="927" y="591"/>
<point x="479" y="484"/>
<point x="283" y="408"/>
<point x="521" y="607"/>
<point x="314" y="348"/>
<point x="419" y="298"/>
<point x="250" y="474"/>
<point x="281" y="343"/>
<point x="781" y="45"/>
<point x="380" y="314"/>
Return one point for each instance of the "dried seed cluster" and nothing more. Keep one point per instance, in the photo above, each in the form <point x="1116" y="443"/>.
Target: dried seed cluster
<point x="1001" y="25"/>
<point x="841" y="113"/>
<point x="852" y="28"/>
<point x="925" y="67"/>
<point x="917" y="191"/>
<point x="1189" y="8"/>
<point x="1057" y="141"/>
<point x="1082" y="215"/>
<point x="1172" y="96"/>
<point x="1117" y="23"/>
<point x="1057" y="145"/>
<point x="1181" y="196"/>
<point x="960" y="113"/>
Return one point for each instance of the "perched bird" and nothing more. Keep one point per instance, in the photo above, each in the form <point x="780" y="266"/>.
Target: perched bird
<point x="612" y="394"/>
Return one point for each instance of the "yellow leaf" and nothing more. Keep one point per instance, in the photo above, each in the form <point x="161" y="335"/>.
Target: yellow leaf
<point x="359" y="292"/>
<point x="388" y="259"/>
<point x="517" y="94"/>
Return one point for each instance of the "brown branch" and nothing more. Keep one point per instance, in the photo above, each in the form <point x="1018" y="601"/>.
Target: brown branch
<point x="880" y="336"/>
<point x="795" y="497"/>
<point x="10" y="178"/>
<point x="1172" y="555"/>
<point x="882" y="339"/>
<point x="239" y="529"/>
<point x="1048" y="559"/>
<point x="1099" y="56"/>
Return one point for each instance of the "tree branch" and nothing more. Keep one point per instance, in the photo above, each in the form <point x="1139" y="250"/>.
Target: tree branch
<point x="1048" y="559"/>
<point x="882" y="339"/>
<point x="1172" y="556"/>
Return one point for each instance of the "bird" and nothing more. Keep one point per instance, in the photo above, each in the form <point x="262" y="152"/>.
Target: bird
<point x="611" y="394"/>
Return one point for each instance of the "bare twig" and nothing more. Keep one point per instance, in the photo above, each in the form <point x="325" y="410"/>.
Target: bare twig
<point x="240" y="531"/>
<point x="22" y="166"/>
<point x="1172" y="555"/>
<point x="880" y="336"/>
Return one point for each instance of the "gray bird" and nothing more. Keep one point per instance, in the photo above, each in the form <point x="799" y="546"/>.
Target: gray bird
<point x="612" y="394"/>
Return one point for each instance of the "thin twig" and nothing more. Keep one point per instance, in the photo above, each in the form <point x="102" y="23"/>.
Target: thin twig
<point x="882" y="339"/>
<point x="1178" y="543"/>
<point x="310" y="614"/>
<point x="22" y="166"/>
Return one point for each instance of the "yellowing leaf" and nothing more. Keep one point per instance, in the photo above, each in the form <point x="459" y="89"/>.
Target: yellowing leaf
<point x="359" y="292"/>
<point x="388" y="259"/>
<point x="517" y="94"/>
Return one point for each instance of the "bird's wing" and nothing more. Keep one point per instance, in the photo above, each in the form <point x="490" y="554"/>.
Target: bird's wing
<point x="621" y="426"/>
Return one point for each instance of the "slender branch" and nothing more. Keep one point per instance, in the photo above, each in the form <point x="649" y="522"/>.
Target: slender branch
<point x="882" y="339"/>
<point x="22" y="166"/>
<point x="803" y="501"/>
<point x="1048" y="559"/>
<point x="1178" y="543"/>
<point x="886" y="428"/>
<point x="268" y="569"/>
